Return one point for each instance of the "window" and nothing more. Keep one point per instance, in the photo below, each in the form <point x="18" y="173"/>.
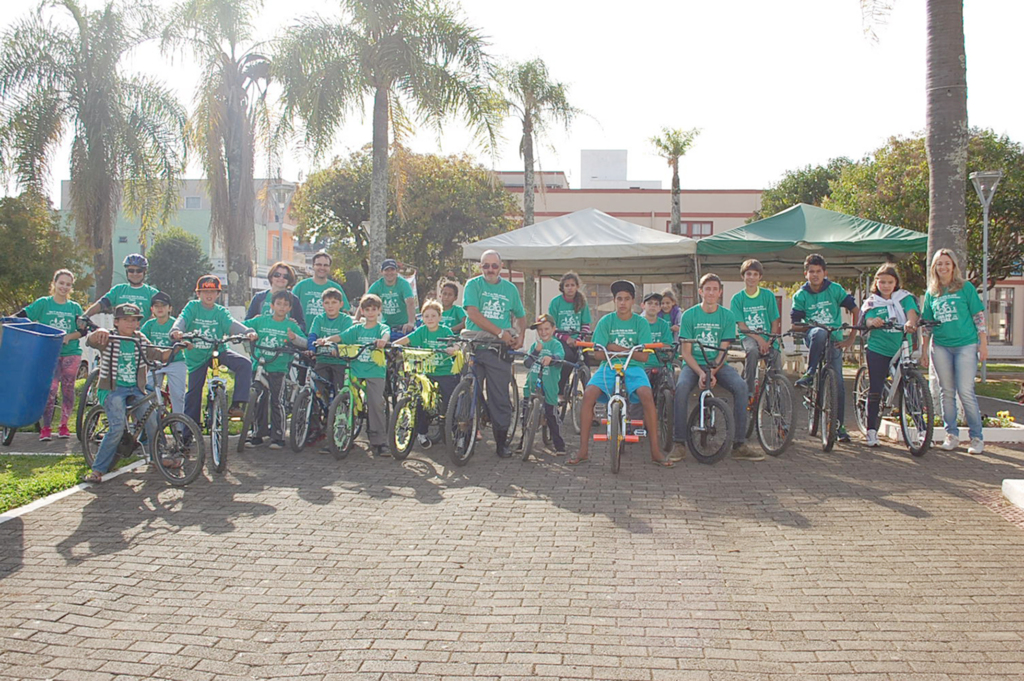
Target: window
<point x="122" y="239"/>
<point x="695" y="230"/>
<point x="193" y="202"/>
<point x="1000" y="316"/>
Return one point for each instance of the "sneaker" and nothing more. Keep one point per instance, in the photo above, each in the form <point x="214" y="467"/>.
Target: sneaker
<point x="842" y="435"/>
<point x="872" y="439"/>
<point x="977" y="446"/>
<point x="423" y="441"/>
<point x="276" y="445"/>
<point x="45" y="434"/>
<point x="560" y="448"/>
<point x="950" y="443"/>
<point x="742" y="452"/>
<point x="806" y="380"/>
<point x="64" y="433"/>
<point x="254" y="442"/>
<point x="381" y="450"/>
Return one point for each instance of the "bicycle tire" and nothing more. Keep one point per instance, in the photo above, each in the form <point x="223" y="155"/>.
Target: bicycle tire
<point x="829" y="396"/>
<point x="580" y="378"/>
<point x="666" y="414"/>
<point x="774" y="414"/>
<point x="402" y="428"/>
<point x="87" y="399"/>
<point x="615" y="436"/>
<point x="302" y="413"/>
<point x="812" y="401"/>
<point x="341" y="424"/>
<point x="7" y="435"/>
<point x="252" y="408"/>
<point x="513" y="424"/>
<point x="178" y="458"/>
<point x="914" y="390"/>
<point x="703" y="444"/>
<point x="219" y="432"/>
<point x="532" y="425"/>
<point x="860" y="396"/>
<point x="461" y="423"/>
<point x="759" y="381"/>
<point x="94" y="427"/>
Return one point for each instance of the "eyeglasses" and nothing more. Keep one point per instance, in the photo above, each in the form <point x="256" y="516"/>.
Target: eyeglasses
<point x="279" y="275"/>
<point x="135" y="270"/>
<point x="490" y="266"/>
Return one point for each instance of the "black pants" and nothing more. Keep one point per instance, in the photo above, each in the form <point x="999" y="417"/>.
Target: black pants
<point x="878" y="371"/>
<point x="571" y="355"/>
<point x="275" y="405"/>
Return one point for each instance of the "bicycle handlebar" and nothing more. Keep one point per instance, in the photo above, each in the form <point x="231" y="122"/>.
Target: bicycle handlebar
<point x="151" y="363"/>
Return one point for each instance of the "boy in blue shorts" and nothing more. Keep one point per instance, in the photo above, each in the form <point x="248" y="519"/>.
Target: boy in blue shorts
<point x="620" y="332"/>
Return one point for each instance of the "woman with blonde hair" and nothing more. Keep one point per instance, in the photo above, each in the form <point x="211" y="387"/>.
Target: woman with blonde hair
<point x="956" y="344"/>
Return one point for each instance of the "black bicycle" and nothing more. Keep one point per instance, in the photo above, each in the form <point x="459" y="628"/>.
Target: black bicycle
<point x="821" y="398"/>
<point x="312" y="403"/>
<point x="772" y="407"/>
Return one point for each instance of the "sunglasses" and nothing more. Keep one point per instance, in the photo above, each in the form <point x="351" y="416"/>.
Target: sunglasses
<point x="135" y="270"/>
<point x="279" y="275"/>
<point x="490" y="266"/>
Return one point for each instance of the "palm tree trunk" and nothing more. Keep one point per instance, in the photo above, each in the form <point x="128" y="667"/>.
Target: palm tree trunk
<point x="528" y="195"/>
<point x="240" y="234"/>
<point x="675" y="198"/>
<point x="947" y="136"/>
<point x="379" y="184"/>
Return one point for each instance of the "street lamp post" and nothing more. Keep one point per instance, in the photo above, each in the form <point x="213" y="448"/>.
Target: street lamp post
<point x="281" y="194"/>
<point x="985" y="183"/>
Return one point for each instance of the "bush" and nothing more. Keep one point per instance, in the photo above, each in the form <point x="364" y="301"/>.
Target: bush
<point x="176" y="261"/>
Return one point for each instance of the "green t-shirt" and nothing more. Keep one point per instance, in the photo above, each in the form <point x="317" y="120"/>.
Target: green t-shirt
<point x="710" y="329"/>
<point x="136" y="295"/>
<point x="887" y="341"/>
<point x="823" y="307"/>
<point x="393" y="310"/>
<point x="757" y="311"/>
<point x="661" y="332"/>
<point x="214" y="322"/>
<point x="422" y="337"/>
<point x="274" y="334"/>
<point x="363" y="366"/>
<point x="308" y="292"/>
<point x="566" y="317"/>
<point x="323" y="326"/>
<point x="160" y="334"/>
<point x="452" y="316"/>
<point x="552" y="374"/>
<point x="955" y="311"/>
<point x="624" y="332"/>
<point x="498" y="303"/>
<point x="127" y="365"/>
<point x="59" y="316"/>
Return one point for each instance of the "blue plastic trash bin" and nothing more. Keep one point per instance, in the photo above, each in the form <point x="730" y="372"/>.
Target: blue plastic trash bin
<point x="28" y="359"/>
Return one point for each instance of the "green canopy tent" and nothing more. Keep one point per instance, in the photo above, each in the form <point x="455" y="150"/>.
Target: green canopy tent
<point x="852" y="246"/>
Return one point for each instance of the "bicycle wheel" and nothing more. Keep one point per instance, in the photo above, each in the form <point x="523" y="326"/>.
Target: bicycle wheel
<point x="177" y="449"/>
<point x="774" y="413"/>
<point x="915" y="407"/>
<point x="709" y="444"/>
<point x="257" y="394"/>
<point x="577" y="384"/>
<point x="532" y="425"/>
<point x="513" y="423"/>
<point x="341" y="424"/>
<point x="666" y="412"/>
<point x="94" y="427"/>
<point x="219" y="432"/>
<point x="87" y="399"/>
<point x="461" y="422"/>
<point x="402" y="427"/>
<point x="302" y="413"/>
<point x="829" y="410"/>
<point x="7" y="435"/>
<point x="860" y="399"/>
<point x="616" y="438"/>
<point x="752" y="401"/>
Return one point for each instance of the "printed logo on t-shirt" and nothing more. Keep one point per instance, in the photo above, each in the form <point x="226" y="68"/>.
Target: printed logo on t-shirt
<point x="390" y="303"/>
<point x="945" y="309"/>
<point x="494" y="306"/>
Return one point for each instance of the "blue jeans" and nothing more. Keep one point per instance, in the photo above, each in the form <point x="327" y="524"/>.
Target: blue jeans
<point x="116" y="406"/>
<point x="956" y="369"/>
<point x="729" y="379"/>
<point x="816" y="342"/>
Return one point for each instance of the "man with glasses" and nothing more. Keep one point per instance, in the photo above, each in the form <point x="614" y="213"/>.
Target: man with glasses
<point x="281" y="277"/>
<point x="398" y="309"/>
<point x="492" y="305"/>
<point x="135" y="292"/>
<point x="310" y="290"/>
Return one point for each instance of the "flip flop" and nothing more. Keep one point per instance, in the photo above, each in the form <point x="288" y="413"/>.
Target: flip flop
<point x="573" y="461"/>
<point x="93" y="477"/>
<point x="664" y="463"/>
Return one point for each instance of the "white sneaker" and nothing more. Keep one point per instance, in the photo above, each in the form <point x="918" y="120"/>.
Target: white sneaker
<point x="951" y="442"/>
<point x="423" y="441"/>
<point x="872" y="439"/>
<point x="977" y="446"/>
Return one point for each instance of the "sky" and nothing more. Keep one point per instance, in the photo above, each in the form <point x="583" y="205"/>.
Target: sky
<point x="772" y="85"/>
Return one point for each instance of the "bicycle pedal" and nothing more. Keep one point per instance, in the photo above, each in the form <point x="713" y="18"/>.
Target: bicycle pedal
<point x="640" y="432"/>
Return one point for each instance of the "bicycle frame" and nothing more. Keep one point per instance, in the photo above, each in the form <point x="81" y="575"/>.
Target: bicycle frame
<point x="618" y="395"/>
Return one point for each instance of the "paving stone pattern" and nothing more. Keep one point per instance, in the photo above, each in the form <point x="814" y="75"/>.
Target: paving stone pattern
<point x="859" y="564"/>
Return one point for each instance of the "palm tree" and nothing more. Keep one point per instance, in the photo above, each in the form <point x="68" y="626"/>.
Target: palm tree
<point x="533" y="98"/>
<point x="230" y="108"/>
<point x="62" y="73"/>
<point x="672" y="144"/>
<point x="415" y="53"/>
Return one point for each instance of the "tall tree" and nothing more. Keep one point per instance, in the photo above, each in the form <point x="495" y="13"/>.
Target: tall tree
<point x="62" y="71"/>
<point x="415" y="53"/>
<point x="672" y="144"/>
<point x="810" y="185"/>
<point x="535" y="101"/>
<point x="230" y="109"/>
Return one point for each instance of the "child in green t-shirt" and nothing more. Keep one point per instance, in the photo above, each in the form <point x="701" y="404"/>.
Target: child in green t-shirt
<point x="332" y="322"/>
<point x="452" y="315"/>
<point x="546" y="349"/>
<point x="158" y="330"/>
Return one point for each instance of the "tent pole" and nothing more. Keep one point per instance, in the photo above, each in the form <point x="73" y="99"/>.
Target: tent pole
<point x="696" y="279"/>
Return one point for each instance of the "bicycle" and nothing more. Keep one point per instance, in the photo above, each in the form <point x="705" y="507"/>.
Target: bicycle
<point x="467" y="408"/>
<point x="532" y="407"/>
<point x="87" y="398"/>
<point x="905" y="392"/>
<point x="348" y="409"/>
<point x="175" y="448"/>
<point x="215" y="416"/>
<point x="309" y="410"/>
<point x="772" y="407"/>
<point x="663" y="384"/>
<point x="821" y="400"/>
<point x="418" y="393"/>
<point x="259" y="393"/>
<point x="711" y="416"/>
<point x="570" y="399"/>
<point x="619" y="424"/>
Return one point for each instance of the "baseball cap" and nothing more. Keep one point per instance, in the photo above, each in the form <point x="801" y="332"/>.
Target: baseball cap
<point x="127" y="310"/>
<point x="160" y="297"/>
<point x="388" y="262"/>
<point x="653" y="296"/>
<point x="623" y="285"/>
<point x="543" y="318"/>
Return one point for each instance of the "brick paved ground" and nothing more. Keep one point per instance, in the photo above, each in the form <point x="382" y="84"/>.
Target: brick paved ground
<point x="859" y="564"/>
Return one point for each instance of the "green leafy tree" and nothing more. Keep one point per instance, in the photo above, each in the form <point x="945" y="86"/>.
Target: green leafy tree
<point x="446" y="200"/>
<point x="672" y="144"/>
<point x="403" y="53"/>
<point x="230" y="109"/>
<point x="176" y="261"/>
<point x="35" y="246"/>
<point x="62" y="71"/>
<point x="809" y="185"/>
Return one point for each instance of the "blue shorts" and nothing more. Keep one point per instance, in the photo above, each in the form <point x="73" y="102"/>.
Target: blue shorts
<point x="635" y="376"/>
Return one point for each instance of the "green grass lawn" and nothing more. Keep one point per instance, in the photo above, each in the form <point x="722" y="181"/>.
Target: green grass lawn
<point x="1003" y="389"/>
<point x="1004" y="368"/>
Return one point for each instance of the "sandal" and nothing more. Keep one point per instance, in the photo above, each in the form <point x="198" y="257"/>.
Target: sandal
<point x="663" y="463"/>
<point x="575" y="461"/>
<point x="93" y="476"/>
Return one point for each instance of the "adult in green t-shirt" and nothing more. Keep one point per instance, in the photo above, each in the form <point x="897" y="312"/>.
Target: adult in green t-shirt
<point x="310" y="290"/>
<point x="956" y="343"/>
<point x="453" y="316"/>
<point x="135" y="292"/>
<point x="705" y="333"/>
<point x="60" y="312"/>
<point x="398" y="302"/>
<point x="754" y="309"/>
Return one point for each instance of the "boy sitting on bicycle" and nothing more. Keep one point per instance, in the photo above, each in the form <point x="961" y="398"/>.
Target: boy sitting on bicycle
<point x="713" y="326"/>
<point x="619" y="332"/>
<point x="754" y="309"/>
<point x="273" y="331"/>
<point x="543" y="351"/>
<point x="122" y="378"/>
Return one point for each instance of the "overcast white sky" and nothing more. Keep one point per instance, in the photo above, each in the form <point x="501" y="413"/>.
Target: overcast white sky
<point x="773" y="84"/>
